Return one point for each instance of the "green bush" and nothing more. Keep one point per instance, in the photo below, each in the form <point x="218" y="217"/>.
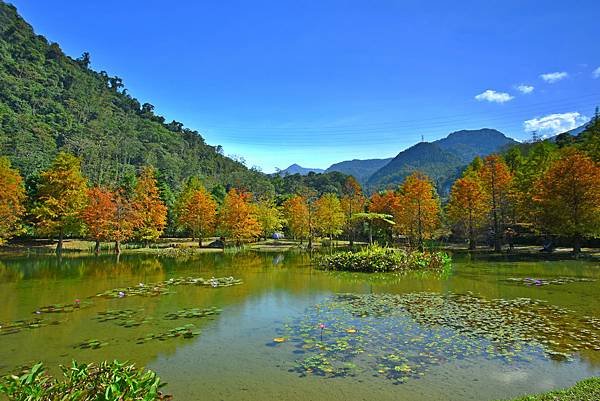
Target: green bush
<point x="108" y="381"/>
<point x="378" y="259"/>
<point x="585" y="390"/>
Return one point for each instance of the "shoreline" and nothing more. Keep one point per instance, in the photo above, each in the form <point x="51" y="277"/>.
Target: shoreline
<point x="175" y="246"/>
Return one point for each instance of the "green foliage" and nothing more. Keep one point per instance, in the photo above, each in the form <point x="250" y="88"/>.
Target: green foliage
<point x="50" y="103"/>
<point x="378" y="259"/>
<point x="332" y="182"/>
<point x="107" y="381"/>
<point x="585" y="390"/>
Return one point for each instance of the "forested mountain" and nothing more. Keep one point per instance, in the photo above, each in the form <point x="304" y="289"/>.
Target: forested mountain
<point x="467" y="144"/>
<point x="429" y="158"/>
<point x="297" y="169"/>
<point x="362" y="170"/>
<point x="51" y="102"/>
<point x="320" y="183"/>
<point x="441" y="160"/>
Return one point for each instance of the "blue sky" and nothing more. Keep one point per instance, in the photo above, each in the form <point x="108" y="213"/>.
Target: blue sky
<point x="313" y="83"/>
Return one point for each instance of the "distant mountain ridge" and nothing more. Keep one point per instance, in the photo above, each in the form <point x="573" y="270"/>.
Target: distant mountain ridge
<point x="442" y="160"/>
<point x="297" y="169"/>
<point x="362" y="170"/>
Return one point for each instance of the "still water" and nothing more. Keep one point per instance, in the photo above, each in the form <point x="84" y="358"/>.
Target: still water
<point x="235" y="356"/>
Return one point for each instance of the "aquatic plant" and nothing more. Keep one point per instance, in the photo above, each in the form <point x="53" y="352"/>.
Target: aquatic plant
<point x="91" y="344"/>
<point x="190" y="313"/>
<point x="18" y="325"/>
<point x="183" y="331"/>
<point x="402" y="336"/>
<point x="63" y="308"/>
<point x="123" y="317"/>
<point x="163" y="287"/>
<point x="106" y="381"/>
<point x="530" y="281"/>
<point x="378" y="259"/>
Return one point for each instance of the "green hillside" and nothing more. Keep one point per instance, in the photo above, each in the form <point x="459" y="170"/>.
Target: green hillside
<point x="51" y="102"/>
<point x="429" y="158"/>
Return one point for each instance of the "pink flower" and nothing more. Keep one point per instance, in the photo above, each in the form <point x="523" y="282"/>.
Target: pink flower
<point x="77" y="301"/>
<point x="322" y="326"/>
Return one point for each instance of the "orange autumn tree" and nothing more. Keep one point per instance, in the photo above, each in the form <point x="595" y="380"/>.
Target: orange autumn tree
<point x="12" y="197"/>
<point x="417" y="214"/>
<point x="62" y="195"/>
<point x="125" y="220"/>
<point x="467" y="206"/>
<point x="329" y="216"/>
<point x="296" y="214"/>
<point x="384" y="204"/>
<point x="237" y="217"/>
<point x="496" y="180"/>
<point x="567" y="197"/>
<point x="150" y="210"/>
<point x="99" y="215"/>
<point x="353" y="202"/>
<point x="198" y="213"/>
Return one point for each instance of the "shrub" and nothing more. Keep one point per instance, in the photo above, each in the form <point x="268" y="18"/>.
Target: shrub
<point x="585" y="390"/>
<point x="378" y="259"/>
<point x="107" y="381"/>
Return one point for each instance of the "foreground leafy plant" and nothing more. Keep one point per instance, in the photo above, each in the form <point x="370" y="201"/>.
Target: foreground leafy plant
<point x="379" y="259"/>
<point x="85" y="382"/>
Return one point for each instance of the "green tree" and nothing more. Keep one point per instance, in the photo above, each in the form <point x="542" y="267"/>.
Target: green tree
<point x="269" y="217"/>
<point x="329" y="216"/>
<point x="62" y="195"/>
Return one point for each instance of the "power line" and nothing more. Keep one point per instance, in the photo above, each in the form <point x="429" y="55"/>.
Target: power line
<point x="399" y="124"/>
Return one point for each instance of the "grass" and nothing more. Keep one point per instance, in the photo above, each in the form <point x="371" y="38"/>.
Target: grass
<point x="585" y="390"/>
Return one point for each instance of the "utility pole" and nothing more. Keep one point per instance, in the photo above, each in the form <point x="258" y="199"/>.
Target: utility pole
<point x="534" y="137"/>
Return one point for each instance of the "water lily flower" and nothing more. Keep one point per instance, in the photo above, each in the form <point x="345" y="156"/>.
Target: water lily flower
<point x="322" y="326"/>
<point x="121" y="294"/>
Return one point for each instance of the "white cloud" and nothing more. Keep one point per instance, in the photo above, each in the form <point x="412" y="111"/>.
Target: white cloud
<point x="555" y="123"/>
<point x="596" y="73"/>
<point x="553" y="77"/>
<point x="493" y="96"/>
<point x="525" y="88"/>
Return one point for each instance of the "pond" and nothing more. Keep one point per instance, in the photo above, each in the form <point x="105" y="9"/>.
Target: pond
<point x="490" y="330"/>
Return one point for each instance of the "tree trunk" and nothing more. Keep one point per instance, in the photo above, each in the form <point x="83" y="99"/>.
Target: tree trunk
<point x="472" y="245"/>
<point x="199" y="242"/>
<point x="59" y="246"/>
<point x="97" y="247"/>
<point x="370" y="233"/>
<point x="577" y="245"/>
<point x="118" y="247"/>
